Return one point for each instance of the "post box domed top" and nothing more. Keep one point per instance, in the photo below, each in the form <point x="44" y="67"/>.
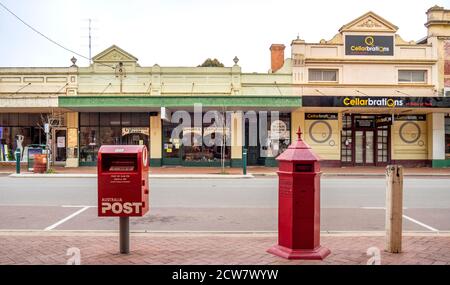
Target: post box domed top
<point x="298" y="151"/>
<point x="122" y="148"/>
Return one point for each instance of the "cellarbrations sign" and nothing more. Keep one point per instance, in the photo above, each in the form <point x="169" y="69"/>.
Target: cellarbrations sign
<point x="375" y="102"/>
<point x="369" y="45"/>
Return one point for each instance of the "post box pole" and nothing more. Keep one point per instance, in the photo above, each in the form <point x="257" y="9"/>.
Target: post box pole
<point x="244" y="161"/>
<point x="124" y="235"/>
<point x="394" y="208"/>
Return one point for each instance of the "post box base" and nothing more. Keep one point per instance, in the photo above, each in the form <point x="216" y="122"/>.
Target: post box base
<point x="319" y="253"/>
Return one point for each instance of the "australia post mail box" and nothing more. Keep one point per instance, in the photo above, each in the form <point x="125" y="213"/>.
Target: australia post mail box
<point x="123" y="188"/>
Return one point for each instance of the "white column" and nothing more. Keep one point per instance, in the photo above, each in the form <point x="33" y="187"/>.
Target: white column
<point x="437" y="136"/>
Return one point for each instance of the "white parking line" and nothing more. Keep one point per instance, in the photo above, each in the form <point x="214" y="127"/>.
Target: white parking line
<point x="405" y="217"/>
<point x="77" y="206"/>
<point x="49" y="228"/>
<point x="420" y="223"/>
<point x="378" y="208"/>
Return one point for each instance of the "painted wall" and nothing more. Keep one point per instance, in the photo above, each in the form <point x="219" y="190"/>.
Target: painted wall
<point x="324" y="138"/>
<point x="155" y="137"/>
<point x="409" y="140"/>
<point x="72" y="139"/>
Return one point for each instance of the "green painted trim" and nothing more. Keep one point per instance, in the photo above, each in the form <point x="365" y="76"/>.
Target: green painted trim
<point x="91" y="163"/>
<point x="270" y="162"/>
<point x="171" y="161"/>
<point x="155" y="162"/>
<point x="236" y="163"/>
<point x="178" y="101"/>
<point x="204" y="163"/>
<point x="440" y="163"/>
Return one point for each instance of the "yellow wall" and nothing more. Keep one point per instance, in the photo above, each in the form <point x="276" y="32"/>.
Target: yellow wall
<point x="236" y="136"/>
<point x="329" y="149"/>
<point x="297" y="120"/>
<point x="72" y="139"/>
<point x="155" y="137"/>
<point x="402" y="150"/>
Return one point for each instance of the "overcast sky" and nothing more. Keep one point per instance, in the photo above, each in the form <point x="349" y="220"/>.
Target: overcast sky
<point x="185" y="33"/>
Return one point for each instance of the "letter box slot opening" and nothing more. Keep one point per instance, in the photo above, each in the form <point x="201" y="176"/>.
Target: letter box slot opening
<point x="119" y="163"/>
<point x="303" y="168"/>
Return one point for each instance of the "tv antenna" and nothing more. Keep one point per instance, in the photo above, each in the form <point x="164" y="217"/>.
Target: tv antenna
<point x="90" y="41"/>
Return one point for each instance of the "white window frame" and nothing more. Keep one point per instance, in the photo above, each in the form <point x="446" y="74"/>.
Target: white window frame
<point x="425" y="77"/>
<point x="322" y="70"/>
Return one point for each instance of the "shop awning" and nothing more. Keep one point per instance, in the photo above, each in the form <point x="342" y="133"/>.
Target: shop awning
<point x="376" y="104"/>
<point x="148" y="102"/>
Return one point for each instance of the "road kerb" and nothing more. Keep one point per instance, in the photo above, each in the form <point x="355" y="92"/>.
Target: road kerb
<point x="209" y="233"/>
<point x="162" y="176"/>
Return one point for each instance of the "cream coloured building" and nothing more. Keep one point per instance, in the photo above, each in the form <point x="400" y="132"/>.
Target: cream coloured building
<point x="365" y="97"/>
<point x="117" y="101"/>
<point x="370" y="97"/>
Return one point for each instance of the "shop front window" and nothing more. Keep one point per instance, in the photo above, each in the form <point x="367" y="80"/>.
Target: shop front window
<point x="19" y="131"/>
<point x="89" y="143"/>
<point x="196" y="144"/>
<point x="97" y="129"/>
<point x="171" y="145"/>
<point x="277" y="137"/>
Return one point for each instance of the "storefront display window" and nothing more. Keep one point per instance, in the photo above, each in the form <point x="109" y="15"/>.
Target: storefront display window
<point x="176" y="152"/>
<point x="97" y="129"/>
<point x="277" y="136"/>
<point x="18" y="131"/>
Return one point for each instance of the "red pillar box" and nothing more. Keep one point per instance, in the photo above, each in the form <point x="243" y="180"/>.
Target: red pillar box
<point x="299" y="204"/>
<point x="123" y="189"/>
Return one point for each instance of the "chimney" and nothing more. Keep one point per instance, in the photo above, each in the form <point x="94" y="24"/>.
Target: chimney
<point x="277" y="56"/>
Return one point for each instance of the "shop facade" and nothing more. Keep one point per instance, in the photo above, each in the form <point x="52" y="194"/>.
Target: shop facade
<point x="366" y="97"/>
<point x="370" y="98"/>
<point x="18" y="131"/>
<point x="410" y="132"/>
<point x="28" y="101"/>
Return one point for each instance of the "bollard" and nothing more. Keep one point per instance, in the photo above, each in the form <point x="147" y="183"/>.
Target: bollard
<point x="124" y="235"/>
<point x="18" y="154"/>
<point x="394" y="208"/>
<point x="244" y="161"/>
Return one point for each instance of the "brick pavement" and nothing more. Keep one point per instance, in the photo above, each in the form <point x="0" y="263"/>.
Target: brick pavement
<point x="209" y="248"/>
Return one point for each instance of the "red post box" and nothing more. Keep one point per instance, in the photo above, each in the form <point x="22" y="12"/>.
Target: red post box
<point x="299" y="204"/>
<point x="123" y="188"/>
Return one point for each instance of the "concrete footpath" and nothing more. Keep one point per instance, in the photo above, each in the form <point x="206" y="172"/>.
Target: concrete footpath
<point x="217" y="172"/>
<point x="210" y="248"/>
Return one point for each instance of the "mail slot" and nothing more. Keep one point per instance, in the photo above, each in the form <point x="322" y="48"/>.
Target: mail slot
<point x="123" y="188"/>
<point x="304" y="168"/>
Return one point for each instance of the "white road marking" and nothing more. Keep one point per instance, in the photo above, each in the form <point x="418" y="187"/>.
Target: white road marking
<point x="49" y="228"/>
<point x="420" y="223"/>
<point x="78" y="206"/>
<point x="378" y="208"/>
<point x="405" y="217"/>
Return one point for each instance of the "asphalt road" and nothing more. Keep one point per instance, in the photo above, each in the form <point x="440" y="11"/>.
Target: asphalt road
<point x="348" y="204"/>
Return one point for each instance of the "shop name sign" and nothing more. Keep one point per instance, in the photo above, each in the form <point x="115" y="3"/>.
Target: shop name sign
<point x="375" y="102"/>
<point x="372" y="102"/>
<point x="321" y="116"/>
<point x="369" y="45"/>
<point x="127" y="131"/>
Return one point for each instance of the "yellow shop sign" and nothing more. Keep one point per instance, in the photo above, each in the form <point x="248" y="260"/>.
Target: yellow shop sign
<point x="372" y="102"/>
